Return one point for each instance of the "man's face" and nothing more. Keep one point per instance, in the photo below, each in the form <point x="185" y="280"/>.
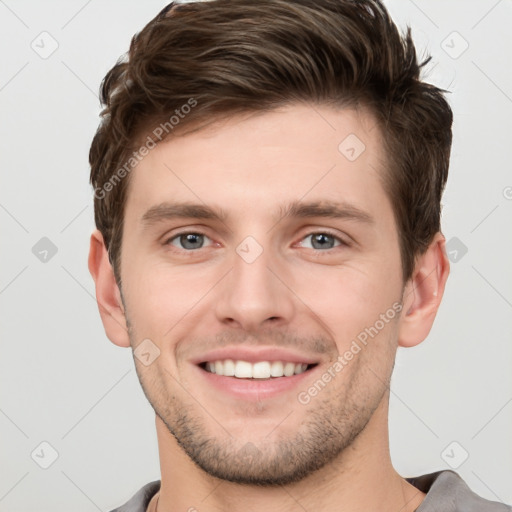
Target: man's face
<point x="261" y="286"/>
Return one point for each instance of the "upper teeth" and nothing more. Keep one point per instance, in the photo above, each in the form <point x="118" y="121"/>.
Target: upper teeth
<point x="259" y="370"/>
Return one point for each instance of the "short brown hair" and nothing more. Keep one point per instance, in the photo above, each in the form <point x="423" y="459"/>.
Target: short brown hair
<point x="224" y="57"/>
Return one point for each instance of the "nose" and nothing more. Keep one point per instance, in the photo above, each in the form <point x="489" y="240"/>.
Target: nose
<point x="255" y="294"/>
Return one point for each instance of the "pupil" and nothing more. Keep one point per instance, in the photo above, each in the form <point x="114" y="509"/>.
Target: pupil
<point x="191" y="241"/>
<point x="323" y="240"/>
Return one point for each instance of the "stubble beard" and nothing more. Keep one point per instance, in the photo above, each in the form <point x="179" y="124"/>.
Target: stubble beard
<point x="326" y="430"/>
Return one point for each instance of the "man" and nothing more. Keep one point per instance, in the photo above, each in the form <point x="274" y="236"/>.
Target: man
<point x="267" y="180"/>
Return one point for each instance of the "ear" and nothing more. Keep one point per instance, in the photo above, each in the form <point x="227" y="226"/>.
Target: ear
<point x="423" y="293"/>
<point x="108" y="295"/>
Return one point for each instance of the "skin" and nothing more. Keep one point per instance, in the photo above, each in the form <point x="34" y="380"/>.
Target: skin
<point x="214" y="448"/>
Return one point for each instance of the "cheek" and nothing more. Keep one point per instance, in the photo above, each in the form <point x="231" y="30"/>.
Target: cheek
<point x="342" y="295"/>
<point x="161" y="295"/>
<point x="350" y="302"/>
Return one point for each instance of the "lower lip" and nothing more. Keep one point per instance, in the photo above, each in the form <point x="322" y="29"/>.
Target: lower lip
<point x="254" y="389"/>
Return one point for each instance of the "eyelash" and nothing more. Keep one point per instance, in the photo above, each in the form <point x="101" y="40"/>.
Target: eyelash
<point x="342" y="242"/>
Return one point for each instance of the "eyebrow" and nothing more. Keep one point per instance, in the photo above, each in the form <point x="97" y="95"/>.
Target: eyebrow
<point x="330" y="209"/>
<point x="168" y="211"/>
<point x="296" y="209"/>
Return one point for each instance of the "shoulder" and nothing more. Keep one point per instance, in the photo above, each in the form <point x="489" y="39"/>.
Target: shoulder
<point x="140" y="500"/>
<point x="448" y="489"/>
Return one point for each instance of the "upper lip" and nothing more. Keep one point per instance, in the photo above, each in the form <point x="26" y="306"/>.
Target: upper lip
<point x="254" y="355"/>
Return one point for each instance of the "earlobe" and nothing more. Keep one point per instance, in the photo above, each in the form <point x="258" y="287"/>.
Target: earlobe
<point x="108" y="296"/>
<point x="423" y="293"/>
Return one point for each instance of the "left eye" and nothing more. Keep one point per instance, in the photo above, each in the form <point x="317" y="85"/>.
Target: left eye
<point x="188" y="241"/>
<point x="323" y="241"/>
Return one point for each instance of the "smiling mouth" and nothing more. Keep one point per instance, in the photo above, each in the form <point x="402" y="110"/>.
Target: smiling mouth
<point x="261" y="370"/>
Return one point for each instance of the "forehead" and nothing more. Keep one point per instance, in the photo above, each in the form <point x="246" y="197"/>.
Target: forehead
<point x="258" y="164"/>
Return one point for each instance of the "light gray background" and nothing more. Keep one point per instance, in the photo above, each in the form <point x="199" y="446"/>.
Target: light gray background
<point x="64" y="383"/>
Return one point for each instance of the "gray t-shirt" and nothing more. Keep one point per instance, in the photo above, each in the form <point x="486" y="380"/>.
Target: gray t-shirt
<point x="445" y="492"/>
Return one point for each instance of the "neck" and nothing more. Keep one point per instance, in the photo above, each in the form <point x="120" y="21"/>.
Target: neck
<point x="361" y="478"/>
